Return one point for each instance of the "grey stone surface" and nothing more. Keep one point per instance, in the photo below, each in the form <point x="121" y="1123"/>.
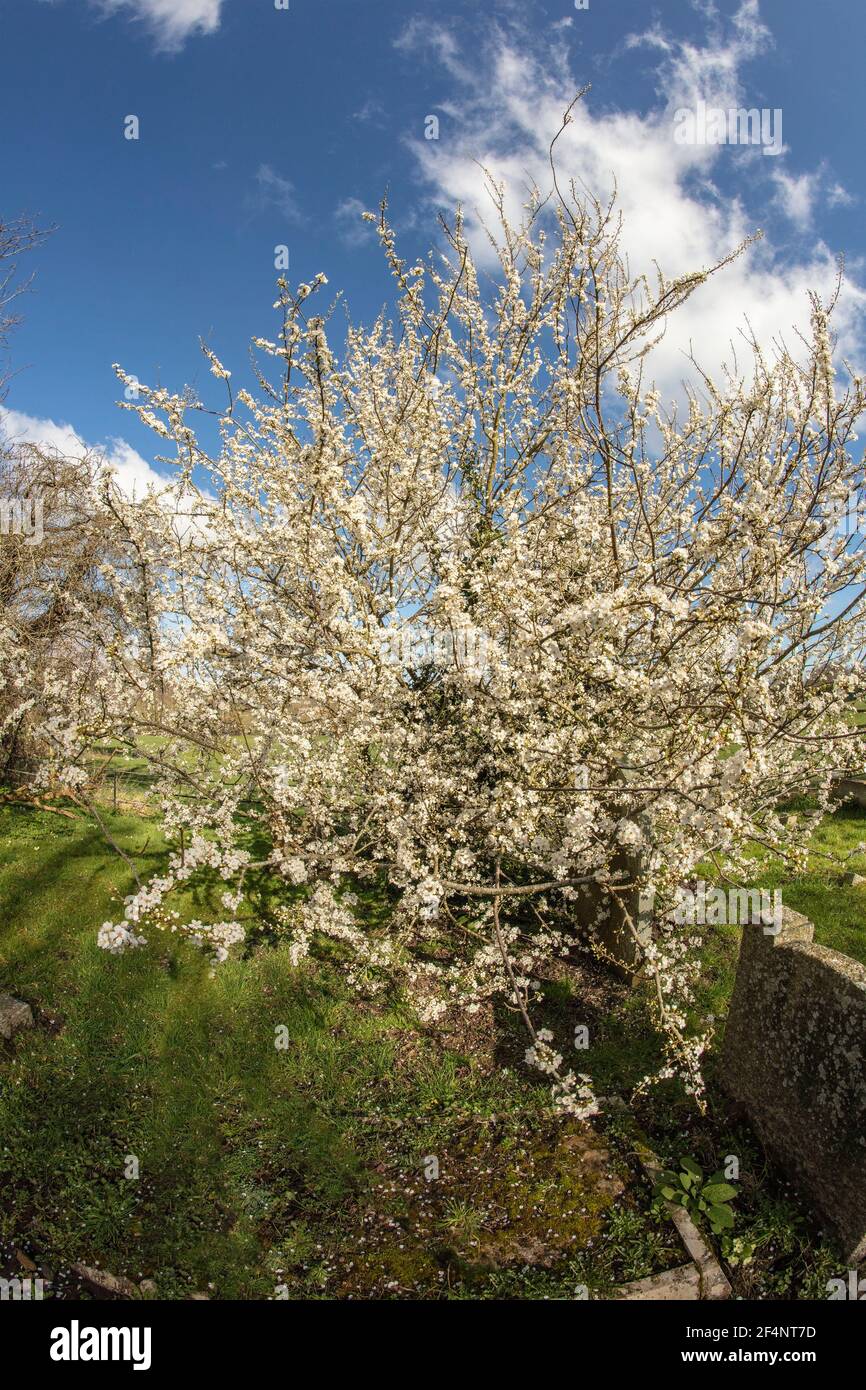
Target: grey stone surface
<point x="681" y="1283"/>
<point x="14" y="1015"/>
<point x="852" y="789"/>
<point x="794" y="1056"/>
<point x="105" y="1285"/>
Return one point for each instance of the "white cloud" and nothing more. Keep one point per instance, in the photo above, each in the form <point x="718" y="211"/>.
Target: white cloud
<point x="276" y="191"/>
<point x="429" y="37"/>
<point x="839" y="197"/>
<point x="371" y="112"/>
<point x="172" y="22"/>
<point x="134" y="474"/>
<point x="673" y="213"/>
<point x="353" y="230"/>
<point x="797" y="194"/>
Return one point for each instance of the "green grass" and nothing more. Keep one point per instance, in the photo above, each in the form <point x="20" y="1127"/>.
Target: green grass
<point x="258" y="1167"/>
<point x="262" y="1169"/>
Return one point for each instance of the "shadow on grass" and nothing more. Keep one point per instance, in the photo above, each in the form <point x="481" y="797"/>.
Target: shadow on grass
<point x="159" y="1061"/>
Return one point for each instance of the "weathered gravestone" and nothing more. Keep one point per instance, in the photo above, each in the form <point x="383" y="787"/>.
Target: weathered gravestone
<point x="851" y="789"/>
<point x="14" y="1015"/>
<point x="795" y="1056"/>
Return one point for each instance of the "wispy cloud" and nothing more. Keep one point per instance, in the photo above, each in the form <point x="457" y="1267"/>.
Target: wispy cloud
<point x="428" y="36"/>
<point x="171" y="22"/>
<point x="353" y="231"/>
<point x="673" y="212"/>
<point x="796" y="194"/>
<point x="801" y="196"/>
<point x="370" y="112"/>
<point x="272" y="190"/>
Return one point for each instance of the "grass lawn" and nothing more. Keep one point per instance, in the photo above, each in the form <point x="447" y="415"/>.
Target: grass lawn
<point x="309" y="1171"/>
<point x="300" y="1170"/>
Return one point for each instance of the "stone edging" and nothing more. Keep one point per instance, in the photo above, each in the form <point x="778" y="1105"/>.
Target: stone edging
<point x="703" y="1277"/>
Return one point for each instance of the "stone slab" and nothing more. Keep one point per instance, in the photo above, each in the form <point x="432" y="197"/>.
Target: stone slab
<point x="794" y="1057"/>
<point x="14" y="1016"/>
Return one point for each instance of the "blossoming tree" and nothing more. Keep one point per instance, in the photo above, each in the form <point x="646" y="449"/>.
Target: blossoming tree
<point x="462" y="611"/>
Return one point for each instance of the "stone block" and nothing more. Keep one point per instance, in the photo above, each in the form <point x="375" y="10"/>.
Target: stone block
<point x="14" y="1015"/>
<point x="794" y="1057"/>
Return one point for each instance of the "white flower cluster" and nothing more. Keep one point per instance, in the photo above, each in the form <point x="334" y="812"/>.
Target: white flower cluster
<point x="572" y="1094"/>
<point x="117" y="937"/>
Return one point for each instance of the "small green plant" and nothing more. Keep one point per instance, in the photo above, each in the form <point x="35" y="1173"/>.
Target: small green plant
<point x="705" y="1199"/>
<point x="738" y="1250"/>
<point x="462" y="1220"/>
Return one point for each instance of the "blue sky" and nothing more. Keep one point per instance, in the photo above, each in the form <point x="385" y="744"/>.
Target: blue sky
<point x="261" y="126"/>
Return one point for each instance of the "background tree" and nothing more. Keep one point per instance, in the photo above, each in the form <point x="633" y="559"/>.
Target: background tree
<point x="58" y="564"/>
<point x="17" y="238"/>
